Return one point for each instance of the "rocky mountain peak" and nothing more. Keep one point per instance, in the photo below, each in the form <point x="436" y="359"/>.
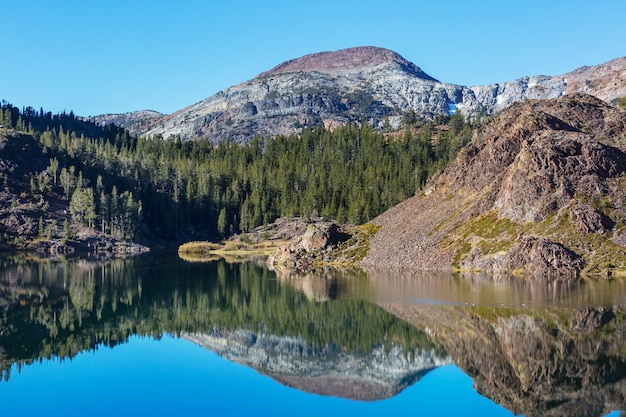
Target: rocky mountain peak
<point x="346" y="60"/>
<point x="332" y="88"/>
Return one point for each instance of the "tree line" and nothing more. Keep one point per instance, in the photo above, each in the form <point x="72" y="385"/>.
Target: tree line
<point x="123" y="185"/>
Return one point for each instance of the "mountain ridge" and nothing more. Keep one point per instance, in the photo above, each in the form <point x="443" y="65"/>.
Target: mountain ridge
<point x="376" y="84"/>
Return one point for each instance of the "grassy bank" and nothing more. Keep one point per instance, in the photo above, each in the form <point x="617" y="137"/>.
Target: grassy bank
<point x="199" y="251"/>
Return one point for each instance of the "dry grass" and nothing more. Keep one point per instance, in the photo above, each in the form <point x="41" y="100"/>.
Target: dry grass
<point x="199" y="251"/>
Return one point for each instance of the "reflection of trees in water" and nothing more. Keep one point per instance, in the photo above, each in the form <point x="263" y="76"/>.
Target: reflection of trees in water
<point x="58" y="309"/>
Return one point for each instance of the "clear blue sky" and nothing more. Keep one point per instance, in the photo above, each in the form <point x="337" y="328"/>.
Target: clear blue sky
<point x="113" y="56"/>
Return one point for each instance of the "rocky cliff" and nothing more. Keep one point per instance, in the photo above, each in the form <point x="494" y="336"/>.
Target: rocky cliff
<point x="539" y="190"/>
<point x="329" y="370"/>
<point x="331" y="88"/>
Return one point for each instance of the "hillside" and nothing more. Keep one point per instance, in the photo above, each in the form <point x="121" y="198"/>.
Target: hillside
<point x="539" y="190"/>
<point x="332" y="88"/>
<point x="20" y="158"/>
<point x="35" y="212"/>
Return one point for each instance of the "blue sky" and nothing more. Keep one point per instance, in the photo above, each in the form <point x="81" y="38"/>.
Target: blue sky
<point x="114" y="56"/>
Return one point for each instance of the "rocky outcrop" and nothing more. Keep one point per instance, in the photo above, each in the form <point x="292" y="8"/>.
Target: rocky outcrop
<point x="331" y="88"/>
<point x="328" y="370"/>
<point x="302" y="251"/>
<point x="135" y="122"/>
<point x="542" y="257"/>
<point x="586" y="219"/>
<point x="539" y="189"/>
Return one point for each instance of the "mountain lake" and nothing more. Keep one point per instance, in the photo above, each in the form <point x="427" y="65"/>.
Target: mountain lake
<point x="156" y="335"/>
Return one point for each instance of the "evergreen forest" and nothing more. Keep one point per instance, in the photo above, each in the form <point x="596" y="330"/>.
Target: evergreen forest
<point x="125" y="187"/>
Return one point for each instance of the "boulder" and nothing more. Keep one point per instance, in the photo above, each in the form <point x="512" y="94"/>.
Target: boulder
<point x="302" y="250"/>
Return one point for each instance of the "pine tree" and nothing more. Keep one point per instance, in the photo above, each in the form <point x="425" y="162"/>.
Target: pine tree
<point x="82" y="207"/>
<point x="222" y="223"/>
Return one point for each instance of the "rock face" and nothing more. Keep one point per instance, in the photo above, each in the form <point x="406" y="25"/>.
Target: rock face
<point x="586" y="219"/>
<point x="535" y="363"/>
<point x="331" y="88"/>
<point x="542" y="257"/>
<point x="135" y="122"/>
<point x="330" y="371"/>
<point x="540" y="189"/>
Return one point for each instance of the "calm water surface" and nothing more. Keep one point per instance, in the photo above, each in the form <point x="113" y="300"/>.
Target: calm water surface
<point x="157" y="336"/>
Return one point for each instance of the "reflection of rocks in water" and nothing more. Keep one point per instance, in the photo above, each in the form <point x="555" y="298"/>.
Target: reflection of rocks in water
<point x="482" y="289"/>
<point x="319" y="286"/>
<point x="544" y="362"/>
<point x="316" y="287"/>
<point x="292" y="361"/>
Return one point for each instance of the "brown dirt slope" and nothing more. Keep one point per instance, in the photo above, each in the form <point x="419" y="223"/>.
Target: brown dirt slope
<point x="539" y="190"/>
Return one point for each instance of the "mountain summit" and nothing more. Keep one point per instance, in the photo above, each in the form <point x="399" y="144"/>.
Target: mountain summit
<point x="347" y="60"/>
<point x="376" y="84"/>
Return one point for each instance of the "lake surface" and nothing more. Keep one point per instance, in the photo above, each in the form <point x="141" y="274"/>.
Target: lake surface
<point x="160" y="336"/>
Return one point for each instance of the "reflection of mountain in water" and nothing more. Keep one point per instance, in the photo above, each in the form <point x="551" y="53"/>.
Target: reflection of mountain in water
<point x="379" y="373"/>
<point x="537" y="348"/>
<point x="544" y="361"/>
<point x="58" y="309"/>
<point x="547" y="362"/>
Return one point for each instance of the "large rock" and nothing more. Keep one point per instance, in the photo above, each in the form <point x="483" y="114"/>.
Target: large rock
<point x="301" y="251"/>
<point x="541" y="257"/>
<point x="587" y="220"/>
